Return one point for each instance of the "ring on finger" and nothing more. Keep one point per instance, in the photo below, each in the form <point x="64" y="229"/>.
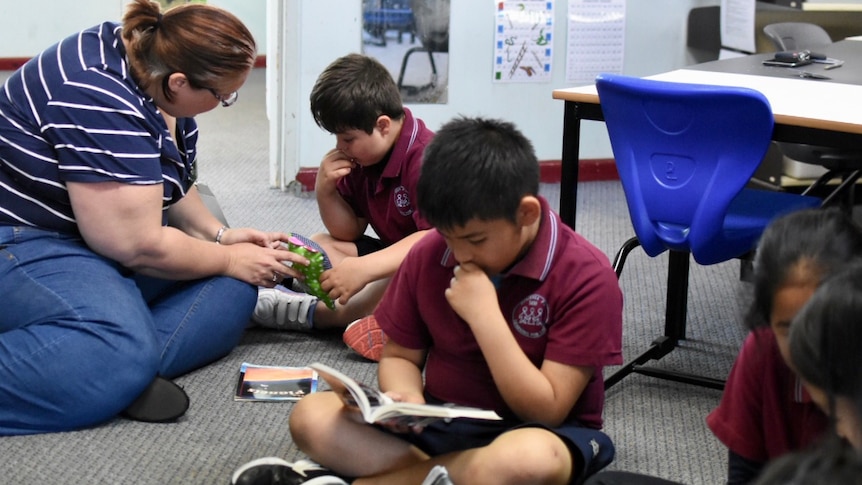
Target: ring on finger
<point x="274" y="277"/>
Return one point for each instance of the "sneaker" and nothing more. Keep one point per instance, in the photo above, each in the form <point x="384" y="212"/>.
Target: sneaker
<point x="284" y="310"/>
<point x="366" y="338"/>
<point x="162" y="401"/>
<point x="438" y="476"/>
<point x="275" y="471"/>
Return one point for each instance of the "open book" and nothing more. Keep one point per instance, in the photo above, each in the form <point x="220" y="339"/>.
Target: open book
<point x="377" y="407"/>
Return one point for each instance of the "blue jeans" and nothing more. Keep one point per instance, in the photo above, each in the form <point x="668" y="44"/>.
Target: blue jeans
<point x="82" y="336"/>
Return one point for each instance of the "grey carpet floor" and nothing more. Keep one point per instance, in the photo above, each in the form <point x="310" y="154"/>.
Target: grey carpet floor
<point x="658" y="426"/>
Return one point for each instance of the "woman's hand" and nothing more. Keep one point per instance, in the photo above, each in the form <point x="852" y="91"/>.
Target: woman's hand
<point x="124" y="222"/>
<point x="246" y="234"/>
<point x="262" y="266"/>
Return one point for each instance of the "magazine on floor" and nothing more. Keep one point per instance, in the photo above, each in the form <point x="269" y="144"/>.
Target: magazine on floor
<point x="274" y="383"/>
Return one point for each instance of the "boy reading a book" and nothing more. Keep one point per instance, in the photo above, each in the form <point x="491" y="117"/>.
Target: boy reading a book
<point x="502" y="307"/>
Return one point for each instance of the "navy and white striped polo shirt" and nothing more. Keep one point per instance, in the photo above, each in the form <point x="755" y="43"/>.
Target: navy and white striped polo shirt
<point x="73" y="113"/>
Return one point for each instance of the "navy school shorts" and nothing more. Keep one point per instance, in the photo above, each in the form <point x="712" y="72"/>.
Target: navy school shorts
<point x="367" y="245"/>
<point x="591" y="449"/>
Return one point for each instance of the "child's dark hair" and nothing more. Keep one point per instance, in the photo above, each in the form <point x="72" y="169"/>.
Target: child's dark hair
<point x="808" y="244"/>
<point x="476" y="168"/>
<point x="828" y="463"/>
<point x="352" y="92"/>
<point x="826" y="335"/>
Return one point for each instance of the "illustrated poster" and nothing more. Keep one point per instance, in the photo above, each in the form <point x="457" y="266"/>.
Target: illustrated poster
<point x="523" y="41"/>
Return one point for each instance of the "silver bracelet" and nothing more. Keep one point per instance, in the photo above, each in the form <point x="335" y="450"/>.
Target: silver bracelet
<point x="220" y="233"/>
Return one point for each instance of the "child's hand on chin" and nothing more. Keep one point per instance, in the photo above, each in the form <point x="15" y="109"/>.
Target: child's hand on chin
<point x="471" y="293"/>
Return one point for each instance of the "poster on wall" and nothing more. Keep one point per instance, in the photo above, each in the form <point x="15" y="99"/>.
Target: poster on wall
<point x="523" y="41"/>
<point x="410" y="38"/>
<point x="737" y="25"/>
<point x="596" y="39"/>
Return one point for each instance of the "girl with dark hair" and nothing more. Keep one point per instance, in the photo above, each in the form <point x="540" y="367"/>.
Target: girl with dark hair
<point x="825" y="339"/>
<point x="824" y="344"/>
<point x="765" y="412"/>
<point x="831" y="463"/>
<point x="115" y="277"/>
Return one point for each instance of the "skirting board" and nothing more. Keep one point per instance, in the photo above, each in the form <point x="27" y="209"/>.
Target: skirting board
<point x="550" y="172"/>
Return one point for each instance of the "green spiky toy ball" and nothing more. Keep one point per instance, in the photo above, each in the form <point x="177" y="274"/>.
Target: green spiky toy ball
<point x="312" y="272"/>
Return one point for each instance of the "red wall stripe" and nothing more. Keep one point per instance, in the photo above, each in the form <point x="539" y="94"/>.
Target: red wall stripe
<point x="550" y="172"/>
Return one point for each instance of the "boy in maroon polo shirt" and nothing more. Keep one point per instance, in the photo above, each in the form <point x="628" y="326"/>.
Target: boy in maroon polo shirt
<point x="368" y="179"/>
<point x="501" y="307"/>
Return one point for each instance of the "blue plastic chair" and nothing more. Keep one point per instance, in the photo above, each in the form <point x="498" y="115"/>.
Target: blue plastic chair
<point x="685" y="154"/>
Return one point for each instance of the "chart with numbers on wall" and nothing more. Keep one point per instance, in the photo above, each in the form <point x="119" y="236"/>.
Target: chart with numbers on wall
<point x="523" y="41"/>
<point x="596" y="39"/>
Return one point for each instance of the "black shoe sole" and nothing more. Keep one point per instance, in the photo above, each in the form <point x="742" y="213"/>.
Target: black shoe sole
<point x="162" y="401"/>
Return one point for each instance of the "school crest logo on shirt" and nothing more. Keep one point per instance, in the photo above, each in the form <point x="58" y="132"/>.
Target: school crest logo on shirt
<point x="402" y="201"/>
<point x="530" y="316"/>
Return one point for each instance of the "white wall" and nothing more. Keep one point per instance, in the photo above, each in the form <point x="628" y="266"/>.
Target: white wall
<point x="28" y="26"/>
<point x="253" y="15"/>
<point x="655" y="42"/>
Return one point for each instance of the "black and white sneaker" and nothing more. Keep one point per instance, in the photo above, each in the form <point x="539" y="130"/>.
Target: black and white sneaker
<point x="275" y="471"/>
<point x="284" y="310"/>
<point x="438" y="476"/>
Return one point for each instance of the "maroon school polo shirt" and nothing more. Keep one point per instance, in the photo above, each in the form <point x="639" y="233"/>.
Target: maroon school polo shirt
<point x="385" y="193"/>
<point x="562" y="301"/>
<point x="764" y="411"/>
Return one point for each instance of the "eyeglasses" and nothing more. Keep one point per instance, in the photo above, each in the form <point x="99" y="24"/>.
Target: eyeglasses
<point x="225" y="101"/>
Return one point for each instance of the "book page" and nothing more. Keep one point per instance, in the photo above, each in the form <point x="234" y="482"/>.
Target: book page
<point x="354" y="394"/>
<point x="376" y="406"/>
<point x="416" y="412"/>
